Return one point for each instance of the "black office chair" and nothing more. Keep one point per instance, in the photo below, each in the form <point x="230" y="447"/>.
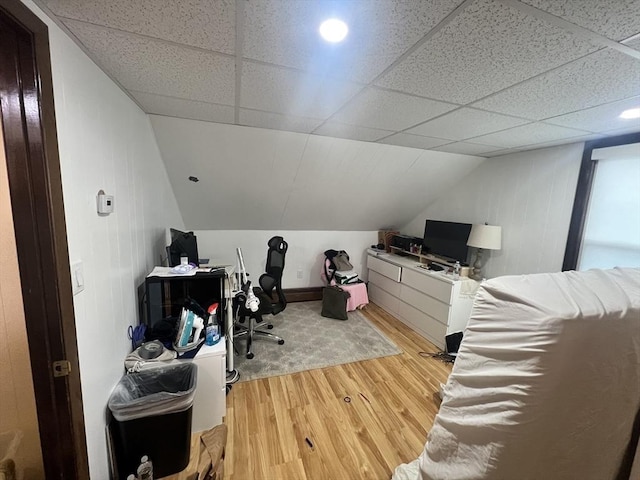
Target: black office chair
<point x="269" y="281"/>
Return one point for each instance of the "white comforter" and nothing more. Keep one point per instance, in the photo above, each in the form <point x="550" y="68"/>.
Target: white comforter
<point x="546" y="384"/>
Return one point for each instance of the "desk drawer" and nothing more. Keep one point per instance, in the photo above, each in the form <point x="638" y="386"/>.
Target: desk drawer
<point x="384" y="268"/>
<point x="429" y="305"/>
<point x="384" y="283"/>
<point x="424" y="282"/>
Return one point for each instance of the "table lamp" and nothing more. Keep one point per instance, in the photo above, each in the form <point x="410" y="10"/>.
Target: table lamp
<point x="483" y="237"/>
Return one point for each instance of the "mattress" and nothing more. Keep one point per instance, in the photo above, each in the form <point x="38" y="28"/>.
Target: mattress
<point x="546" y="384"/>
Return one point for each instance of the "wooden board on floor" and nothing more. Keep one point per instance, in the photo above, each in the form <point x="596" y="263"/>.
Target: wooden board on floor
<point x="393" y="401"/>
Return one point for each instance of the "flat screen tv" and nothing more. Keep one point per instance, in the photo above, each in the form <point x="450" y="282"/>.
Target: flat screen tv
<point x="182" y="244"/>
<point x="446" y="239"/>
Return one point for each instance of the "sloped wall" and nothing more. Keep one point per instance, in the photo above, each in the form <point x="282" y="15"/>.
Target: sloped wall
<point x="106" y="142"/>
<point x="257" y="179"/>
<point x="529" y="194"/>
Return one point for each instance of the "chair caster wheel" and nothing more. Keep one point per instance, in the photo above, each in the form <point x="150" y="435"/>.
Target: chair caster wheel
<point x="270" y="327"/>
<point x="250" y="356"/>
<point x="280" y="342"/>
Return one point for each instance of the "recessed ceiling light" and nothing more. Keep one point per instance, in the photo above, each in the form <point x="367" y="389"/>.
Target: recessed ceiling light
<point x="333" y="30"/>
<point x="631" y="113"/>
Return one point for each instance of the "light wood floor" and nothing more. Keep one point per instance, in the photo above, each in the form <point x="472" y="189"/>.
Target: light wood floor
<point x="393" y="403"/>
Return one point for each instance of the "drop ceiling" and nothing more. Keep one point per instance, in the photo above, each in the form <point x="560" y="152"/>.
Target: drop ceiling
<point x="477" y="77"/>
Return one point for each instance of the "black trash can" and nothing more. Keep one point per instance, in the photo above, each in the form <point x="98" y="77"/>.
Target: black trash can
<point x="152" y="416"/>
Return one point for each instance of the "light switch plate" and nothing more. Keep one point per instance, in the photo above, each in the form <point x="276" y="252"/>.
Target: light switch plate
<point x="77" y="277"/>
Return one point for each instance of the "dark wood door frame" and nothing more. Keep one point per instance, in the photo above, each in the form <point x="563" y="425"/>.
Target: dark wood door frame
<point x="35" y="187"/>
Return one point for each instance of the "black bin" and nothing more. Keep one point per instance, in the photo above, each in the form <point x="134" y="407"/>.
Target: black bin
<point x="152" y="416"/>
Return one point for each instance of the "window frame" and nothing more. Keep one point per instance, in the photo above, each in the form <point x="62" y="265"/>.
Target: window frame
<point x="583" y="194"/>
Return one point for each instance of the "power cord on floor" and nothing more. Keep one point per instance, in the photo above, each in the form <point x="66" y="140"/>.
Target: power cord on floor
<point x="442" y="356"/>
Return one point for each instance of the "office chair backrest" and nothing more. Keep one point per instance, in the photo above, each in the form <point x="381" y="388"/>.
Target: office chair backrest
<point x="274" y="269"/>
<point x="275" y="256"/>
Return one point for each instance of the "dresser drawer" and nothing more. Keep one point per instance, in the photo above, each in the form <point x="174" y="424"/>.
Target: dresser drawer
<point x="425" y="325"/>
<point x="384" y="268"/>
<point x="426" y="283"/>
<point x="384" y="283"/>
<point x="384" y="299"/>
<point x="429" y="305"/>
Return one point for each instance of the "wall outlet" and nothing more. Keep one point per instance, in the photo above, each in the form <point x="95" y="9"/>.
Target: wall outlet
<point x="299" y="274"/>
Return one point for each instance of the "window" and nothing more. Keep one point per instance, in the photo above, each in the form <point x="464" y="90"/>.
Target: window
<point x="605" y="225"/>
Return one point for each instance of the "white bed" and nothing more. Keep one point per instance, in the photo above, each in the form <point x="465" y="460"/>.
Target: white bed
<point x="546" y="384"/>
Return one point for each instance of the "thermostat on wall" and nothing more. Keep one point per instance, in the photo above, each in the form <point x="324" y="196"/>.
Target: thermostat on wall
<point x="105" y="203"/>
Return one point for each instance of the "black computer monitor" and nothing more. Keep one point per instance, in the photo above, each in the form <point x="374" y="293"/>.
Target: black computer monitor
<point x="183" y="244"/>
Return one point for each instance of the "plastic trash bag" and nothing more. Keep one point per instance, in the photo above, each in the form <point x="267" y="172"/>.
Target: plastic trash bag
<point x="156" y="391"/>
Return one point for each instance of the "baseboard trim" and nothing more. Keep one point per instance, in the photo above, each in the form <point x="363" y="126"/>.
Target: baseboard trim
<point x="303" y="294"/>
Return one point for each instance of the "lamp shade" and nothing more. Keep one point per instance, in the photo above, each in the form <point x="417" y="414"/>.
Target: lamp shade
<point x="485" y="236"/>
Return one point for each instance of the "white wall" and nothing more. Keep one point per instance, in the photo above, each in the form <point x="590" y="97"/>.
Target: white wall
<point x="259" y="179"/>
<point x="106" y="142"/>
<point x="529" y="194"/>
<point x="305" y="253"/>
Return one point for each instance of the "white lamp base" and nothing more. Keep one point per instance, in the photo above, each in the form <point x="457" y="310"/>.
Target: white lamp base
<point x="477" y="266"/>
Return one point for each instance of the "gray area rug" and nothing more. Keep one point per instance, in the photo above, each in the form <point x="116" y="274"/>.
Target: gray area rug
<point x="311" y="341"/>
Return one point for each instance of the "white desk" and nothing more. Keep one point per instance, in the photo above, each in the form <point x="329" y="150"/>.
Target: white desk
<point x="209" y="403"/>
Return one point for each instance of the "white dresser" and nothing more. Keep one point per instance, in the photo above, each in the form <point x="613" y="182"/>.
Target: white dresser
<point x="431" y="303"/>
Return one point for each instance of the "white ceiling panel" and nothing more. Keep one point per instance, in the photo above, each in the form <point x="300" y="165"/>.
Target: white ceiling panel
<point x="277" y="121"/>
<point x="385" y="110"/>
<point x="460" y="63"/>
<point x="290" y="92"/>
<point x="600" y="119"/>
<point x="465" y="123"/>
<point x="414" y="141"/>
<point x="614" y="19"/>
<point x="602" y="77"/>
<point x="466" y="148"/>
<point x="179" y="107"/>
<point x="635" y="43"/>
<point x="532" y="133"/>
<point x="152" y="66"/>
<point x="201" y="23"/>
<point x="285" y="32"/>
<point x="342" y="130"/>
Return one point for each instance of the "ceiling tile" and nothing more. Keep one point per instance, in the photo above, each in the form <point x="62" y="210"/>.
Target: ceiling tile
<point x="635" y="43"/>
<point x="181" y="108"/>
<point x="465" y="123"/>
<point x="622" y="131"/>
<point x="528" y="134"/>
<point x="554" y="143"/>
<point x="285" y="32"/>
<point x="153" y="66"/>
<point x="488" y="47"/>
<point x="602" y="77"/>
<point x="342" y="130"/>
<point x="601" y="118"/>
<point x="414" y="141"/>
<point x="503" y="151"/>
<point x="199" y="23"/>
<point x="615" y="19"/>
<point x="466" y="148"/>
<point x="287" y="91"/>
<point x="386" y="110"/>
<point x="276" y="121"/>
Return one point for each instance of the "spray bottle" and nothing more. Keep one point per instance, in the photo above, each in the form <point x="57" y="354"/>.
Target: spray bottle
<point x="212" y="335"/>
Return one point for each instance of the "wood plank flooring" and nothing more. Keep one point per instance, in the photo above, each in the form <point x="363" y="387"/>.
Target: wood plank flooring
<point x="393" y="401"/>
